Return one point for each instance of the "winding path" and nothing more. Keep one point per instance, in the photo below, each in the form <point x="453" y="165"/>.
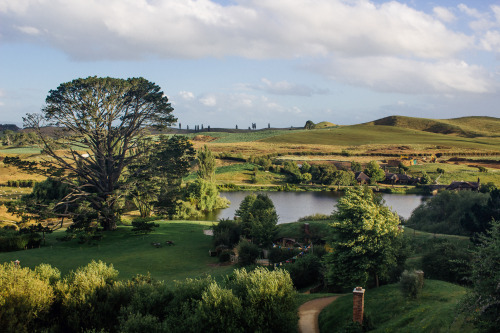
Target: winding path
<point x="309" y="312"/>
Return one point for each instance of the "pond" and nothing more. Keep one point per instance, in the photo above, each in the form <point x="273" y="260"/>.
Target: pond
<point x="291" y="206"/>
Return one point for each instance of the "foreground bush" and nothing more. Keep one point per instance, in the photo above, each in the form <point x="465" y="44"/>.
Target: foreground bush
<point x="91" y="300"/>
<point x="25" y="298"/>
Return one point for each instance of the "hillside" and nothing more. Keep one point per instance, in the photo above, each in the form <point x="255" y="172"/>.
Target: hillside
<point x="370" y="134"/>
<point x="466" y="127"/>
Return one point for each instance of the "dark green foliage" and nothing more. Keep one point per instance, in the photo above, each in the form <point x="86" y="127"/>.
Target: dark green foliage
<point x="448" y="262"/>
<point x="11" y="240"/>
<point x="305" y="271"/>
<point x="206" y="164"/>
<point x="483" y="301"/>
<point x="410" y="284"/>
<point x="155" y="178"/>
<point x="247" y="253"/>
<point x="143" y="226"/>
<point x="443" y="212"/>
<point x="258" y="218"/>
<point x="277" y="254"/>
<point x="226" y="232"/>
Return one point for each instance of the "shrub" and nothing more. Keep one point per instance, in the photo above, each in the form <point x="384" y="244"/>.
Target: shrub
<point x="247" y="253"/>
<point x="448" y="262"/>
<point x="48" y="273"/>
<point x="225" y="256"/>
<point x="268" y="299"/>
<point x="410" y="284"/>
<point x="143" y="226"/>
<point x="24" y="298"/>
<point x="226" y="232"/>
<point x="305" y="270"/>
<point x="219" y="309"/>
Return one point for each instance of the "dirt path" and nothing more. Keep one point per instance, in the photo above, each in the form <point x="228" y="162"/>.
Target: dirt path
<point x="309" y="312"/>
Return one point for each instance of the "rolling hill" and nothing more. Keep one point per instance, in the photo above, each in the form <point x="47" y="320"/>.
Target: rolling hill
<point x="470" y="127"/>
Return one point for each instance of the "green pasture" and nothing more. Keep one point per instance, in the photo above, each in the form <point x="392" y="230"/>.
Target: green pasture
<point x="388" y="311"/>
<point x="367" y="135"/>
<point x="32" y="150"/>
<point x="456" y="172"/>
<point x="134" y="254"/>
<point x="226" y="137"/>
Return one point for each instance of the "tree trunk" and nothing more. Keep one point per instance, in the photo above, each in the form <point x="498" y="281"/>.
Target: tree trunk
<point x="376" y="280"/>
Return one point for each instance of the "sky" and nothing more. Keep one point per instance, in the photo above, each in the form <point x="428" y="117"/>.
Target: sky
<point x="279" y="62"/>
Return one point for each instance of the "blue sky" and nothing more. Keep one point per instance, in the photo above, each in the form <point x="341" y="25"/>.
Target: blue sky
<point x="283" y="62"/>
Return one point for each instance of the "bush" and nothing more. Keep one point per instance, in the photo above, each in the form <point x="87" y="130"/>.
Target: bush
<point x="226" y="232"/>
<point x="247" y="253"/>
<point x="48" y="273"/>
<point x="411" y="284"/>
<point x="24" y="298"/>
<point x="225" y="256"/>
<point x="268" y="299"/>
<point x="143" y="226"/>
<point x="448" y="262"/>
<point x="305" y="271"/>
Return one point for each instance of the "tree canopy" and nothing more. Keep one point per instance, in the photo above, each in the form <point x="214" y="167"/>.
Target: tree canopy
<point x="100" y="125"/>
<point x="364" y="242"/>
<point x="258" y="218"/>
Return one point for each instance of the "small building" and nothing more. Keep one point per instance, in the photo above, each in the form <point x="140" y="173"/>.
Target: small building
<point x="361" y="178"/>
<point x="464" y="186"/>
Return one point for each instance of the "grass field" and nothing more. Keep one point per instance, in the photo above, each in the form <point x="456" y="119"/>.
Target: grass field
<point x="388" y="311"/>
<point x="357" y="135"/>
<point x="133" y="254"/>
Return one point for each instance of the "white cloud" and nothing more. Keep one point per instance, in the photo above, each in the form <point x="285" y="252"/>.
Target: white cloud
<point x="444" y="14"/>
<point x="186" y="95"/>
<point x="286" y="88"/>
<point x="29" y="30"/>
<point x="93" y="29"/>
<point x="390" y="74"/>
<point x="209" y="100"/>
<point x="491" y="41"/>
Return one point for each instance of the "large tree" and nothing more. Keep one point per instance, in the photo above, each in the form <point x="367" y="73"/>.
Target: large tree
<point x="155" y="178"/>
<point x="364" y="243"/>
<point x="101" y="122"/>
<point x="258" y="218"/>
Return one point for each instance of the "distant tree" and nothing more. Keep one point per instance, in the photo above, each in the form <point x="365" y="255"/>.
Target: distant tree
<point x="374" y="171"/>
<point x="364" y="242"/>
<point x="206" y="164"/>
<point x="103" y="121"/>
<point x="356" y="166"/>
<point x="258" y="218"/>
<point x="309" y="125"/>
<point x="425" y="179"/>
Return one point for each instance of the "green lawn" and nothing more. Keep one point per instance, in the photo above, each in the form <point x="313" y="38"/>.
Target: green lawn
<point x="388" y="311"/>
<point x="133" y="254"/>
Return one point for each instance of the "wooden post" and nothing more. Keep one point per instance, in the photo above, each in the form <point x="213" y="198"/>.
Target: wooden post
<point x="358" y="303"/>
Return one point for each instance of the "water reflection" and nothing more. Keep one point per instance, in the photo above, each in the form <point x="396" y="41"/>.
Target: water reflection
<point x="291" y="206"/>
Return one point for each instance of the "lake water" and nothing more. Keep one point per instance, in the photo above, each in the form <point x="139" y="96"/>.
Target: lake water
<point x="291" y="206"/>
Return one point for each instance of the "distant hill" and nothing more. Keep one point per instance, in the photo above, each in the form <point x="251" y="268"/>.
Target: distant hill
<point x="324" y="124"/>
<point x="466" y="126"/>
<point x="11" y="127"/>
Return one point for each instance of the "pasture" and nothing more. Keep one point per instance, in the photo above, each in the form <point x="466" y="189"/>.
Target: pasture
<point x="133" y="254"/>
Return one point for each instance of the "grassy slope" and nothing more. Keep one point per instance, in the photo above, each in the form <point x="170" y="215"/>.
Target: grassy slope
<point x="466" y="126"/>
<point x="368" y="134"/>
<point x="133" y="254"/>
<point x="434" y="311"/>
